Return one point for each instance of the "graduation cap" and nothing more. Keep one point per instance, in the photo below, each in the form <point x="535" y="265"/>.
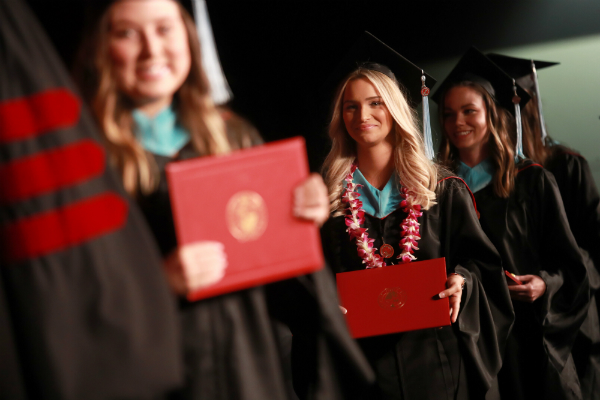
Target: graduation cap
<point x="524" y="71"/>
<point x="474" y="66"/>
<point x="521" y="69"/>
<point x="368" y="52"/>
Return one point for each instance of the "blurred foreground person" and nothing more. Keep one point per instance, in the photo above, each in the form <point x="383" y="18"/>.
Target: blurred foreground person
<point x="523" y="215"/>
<point x="140" y="70"/>
<point x="85" y="312"/>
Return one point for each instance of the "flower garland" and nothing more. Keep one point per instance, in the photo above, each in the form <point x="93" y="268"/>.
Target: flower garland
<point x="356" y="216"/>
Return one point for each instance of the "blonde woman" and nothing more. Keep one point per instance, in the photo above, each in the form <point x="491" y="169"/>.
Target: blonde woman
<point x="141" y="72"/>
<point x="377" y="144"/>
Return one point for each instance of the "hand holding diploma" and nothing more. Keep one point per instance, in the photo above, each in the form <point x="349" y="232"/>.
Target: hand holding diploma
<point x="311" y="201"/>
<point x="533" y="288"/>
<point x="454" y="284"/>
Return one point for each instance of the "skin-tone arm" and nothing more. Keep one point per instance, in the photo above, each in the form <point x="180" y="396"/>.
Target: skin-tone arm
<point x="533" y="288"/>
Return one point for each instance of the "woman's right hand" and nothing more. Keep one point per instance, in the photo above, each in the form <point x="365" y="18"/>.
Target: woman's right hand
<point x="533" y="288"/>
<point x="195" y="265"/>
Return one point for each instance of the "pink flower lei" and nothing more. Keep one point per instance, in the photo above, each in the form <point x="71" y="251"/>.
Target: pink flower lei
<point x="355" y="217"/>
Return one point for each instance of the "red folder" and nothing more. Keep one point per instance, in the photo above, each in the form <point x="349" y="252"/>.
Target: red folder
<point x="511" y="279"/>
<point x="396" y="298"/>
<point x="244" y="200"/>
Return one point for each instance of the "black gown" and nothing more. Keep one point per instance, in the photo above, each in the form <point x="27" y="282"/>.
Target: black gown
<point x="531" y="232"/>
<point x="455" y="362"/>
<point x="582" y="205"/>
<point x="232" y="344"/>
<point x="91" y="318"/>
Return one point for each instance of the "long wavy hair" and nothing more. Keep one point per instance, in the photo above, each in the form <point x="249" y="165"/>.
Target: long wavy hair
<point x="112" y="109"/>
<point x="533" y="147"/>
<point x="501" y="141"/>
<point x="412" y="166"/>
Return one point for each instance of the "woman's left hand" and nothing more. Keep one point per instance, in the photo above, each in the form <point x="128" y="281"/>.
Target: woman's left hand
<point x="311" y="201"/>
<point x="533" y="288"/>
<point x="454" y="293"/>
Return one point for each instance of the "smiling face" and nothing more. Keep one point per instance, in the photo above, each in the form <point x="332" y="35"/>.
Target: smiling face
<point x="149" y="49"/>
<point x="366" y="117"/>
<point x="465" y="121"/>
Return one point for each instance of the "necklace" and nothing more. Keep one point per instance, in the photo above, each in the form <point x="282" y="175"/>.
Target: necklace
<point x="364" y="244"/>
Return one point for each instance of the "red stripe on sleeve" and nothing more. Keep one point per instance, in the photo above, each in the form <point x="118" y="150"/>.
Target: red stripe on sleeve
<point x="26" y="117"/>
<point x="61" y="228"/>
<point x="50" y="170"/>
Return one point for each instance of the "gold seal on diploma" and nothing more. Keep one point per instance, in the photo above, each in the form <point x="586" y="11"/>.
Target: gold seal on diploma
<point x="246" y="216"/>
<point x="392" y="298"/>
<point x="386" y="251"/>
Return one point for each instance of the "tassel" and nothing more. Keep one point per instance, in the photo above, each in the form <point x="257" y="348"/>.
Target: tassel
<point x="220" y="91"/>
<point x="539" y="103"/>
<point x="426" y="122"/>
<point x="519" y="148"/>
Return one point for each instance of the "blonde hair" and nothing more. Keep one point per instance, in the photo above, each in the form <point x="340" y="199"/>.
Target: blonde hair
<point x="500" y="125"/>
<point x="193" y="104"/>
<point x="413" y="168"/>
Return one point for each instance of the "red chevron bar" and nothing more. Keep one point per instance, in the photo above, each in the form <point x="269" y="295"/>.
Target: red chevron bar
<point x="61" y="228"/>
<point x="50" y="170"/>
<point x="26" y="117"/>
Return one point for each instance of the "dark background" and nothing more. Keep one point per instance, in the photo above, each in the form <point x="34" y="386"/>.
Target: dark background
<point x="277" y="54"/>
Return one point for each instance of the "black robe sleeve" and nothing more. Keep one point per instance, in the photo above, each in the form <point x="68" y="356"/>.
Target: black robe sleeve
<point x="326" y="361"/>
<point x="11" y="382"/>
<point x="581" y="201"/>
<point x="90" y="314"/>
<point x="564" y="305"/>
<point x="486" y="314"/>
<point x="582" y="206"/>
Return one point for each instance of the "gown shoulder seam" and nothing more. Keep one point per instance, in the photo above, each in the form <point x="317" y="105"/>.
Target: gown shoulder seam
<point x="466" y="186"/>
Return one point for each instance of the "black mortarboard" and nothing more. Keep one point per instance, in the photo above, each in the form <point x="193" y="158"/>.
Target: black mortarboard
<point x="371" y="53"/>
<point x="520" y="69"/>
<point x="367" y="51"/>
<point x="524" y="71"/>
<point x="474" y="66"/>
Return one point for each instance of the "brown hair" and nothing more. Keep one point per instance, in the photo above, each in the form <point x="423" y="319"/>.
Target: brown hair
<point x="500" y="125"/>
<point x="112" y="110"/>
<point x="533" y="147"/>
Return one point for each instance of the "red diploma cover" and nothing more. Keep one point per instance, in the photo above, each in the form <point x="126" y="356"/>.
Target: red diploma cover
<point x="512" y="279"/>
<point x="244" y="200"/>
<point x="396" y="298"/>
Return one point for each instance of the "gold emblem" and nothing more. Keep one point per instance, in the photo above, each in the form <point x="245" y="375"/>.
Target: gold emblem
<point x="392" y="298"/>
<point x="246" y="216"/>
<point x="386" y="251"/>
